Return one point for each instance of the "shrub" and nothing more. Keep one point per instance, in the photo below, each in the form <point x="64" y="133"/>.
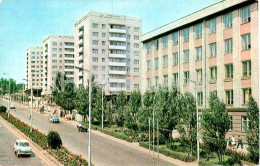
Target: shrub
<point x="207" y="154"/>
<point x="2" y="109"/>
<point x="54" y="140"/>
<point x="234" y="160"/>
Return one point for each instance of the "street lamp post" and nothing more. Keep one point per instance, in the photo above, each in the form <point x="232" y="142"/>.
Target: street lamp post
<point x="8" y="95"/>
<point x="103" y="84"/>
<point x="89" y="114"/>
<point x="31" y="114"/>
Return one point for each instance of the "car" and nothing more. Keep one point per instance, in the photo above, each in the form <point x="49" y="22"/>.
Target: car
<point x="54" y="119"/>
<point x="22" y="147"/>
<point x="12" y="106"/>
<point x="82" y="127"/>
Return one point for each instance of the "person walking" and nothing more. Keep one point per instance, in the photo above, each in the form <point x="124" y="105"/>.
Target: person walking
<point x="240" y="142"/>
<point x="233" y="142"/>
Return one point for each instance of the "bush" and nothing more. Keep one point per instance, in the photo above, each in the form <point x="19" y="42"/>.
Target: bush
<point x="2" y="109"/>
<point x="207" y="154"/>
<point x="54" y="140"/>
<point x="234" y="160"/>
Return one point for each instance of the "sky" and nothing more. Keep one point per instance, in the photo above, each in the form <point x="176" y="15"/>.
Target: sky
<point x="26" y="23"/>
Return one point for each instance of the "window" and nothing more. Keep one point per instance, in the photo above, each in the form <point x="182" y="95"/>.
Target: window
<point x="228" y="46"/>
<point x="103" y="43"/>
<point x="54" y="43"/>
<point x="54" y="67"/>
<point x="165" y="80"/>
<point x="156" y="44"/>
<point x="95" y="34"/>
<point x="200" y="98"/>
<point x="136" y="69"/>
<point x="103" y="34"/>
<point x="230" y="123"/>
<point x="103" y="59"/>
<point x="198" y="53"/>
<point x="103" y="26"/>
<point x="94" y="42"/>
<point x="95" y="68"/>
<point x="246" y="68"/>
<point x="228" y="20"/>
<point x="186" y="77"/>
<point x="156" y="81"/>
<point x="246" y="41"/>
<point x="165" y="61"/>
<point x="175" y="38"/>
<point x="148" y="82"/>
<point x="245" y="15"/>
<point x="185" y="34"/>
<point x="103" y="51"/>
<point x="148" y="48"/>
<point x="175" y="59"/>
<point x="136" y="29"/>
<point x="128" y="37"/>
<point x="245" y="122"/>
<point x="136" y="62"/>
<point x="185" y="56"/>
<point x="199" y="76"/>
<point x="198" y="31"/>
<point x="213" y="73"/>
<point x="95" y="51"/>
<point x="156" y="63"/>
<point x="175" y="79"/>
<point x="54" y="49"/>
<point x="136" y="53"/>
<point x="94" y="59"/>
<point x="212" y="26"/>
<point x="54" y="55"/>
<point x="103" y="76"/>
<point x="136" y="37"/>
<point x="60" y="50"/>
<point x="103" y="68"/>
<point x="229" y="97"/>
<point x="60" y="61"/>
<point x="136" y="45"/>
<point x="148" y="65"/>
<point x="94" y="25"/>
<point x="229" y="71"/>
<point x="165" y="41"/>
<point x="213" y="49"/>
<point x="246" y="95"/>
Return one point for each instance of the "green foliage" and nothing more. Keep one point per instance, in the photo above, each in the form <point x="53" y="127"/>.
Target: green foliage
<point x="2" y="109"/>
<point x="120" y="108"/>
<point x="54" y="140"/>
<point x="81" y="101"/>
<point x="215" y="125"/>
<point x="96" y="102"/>
<point x="14" y="87"/>
<point x="253" y="130"/>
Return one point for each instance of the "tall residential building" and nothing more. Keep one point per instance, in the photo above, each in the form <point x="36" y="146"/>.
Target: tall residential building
<point x="58" y="53"/>
<point x="107" y="47"/>
<point x="34" y="67"/>
<point x="217" y="47"/>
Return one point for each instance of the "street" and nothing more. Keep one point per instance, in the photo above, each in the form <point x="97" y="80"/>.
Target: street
<point x="104" y="151"/>
<point x="7" y="156"/>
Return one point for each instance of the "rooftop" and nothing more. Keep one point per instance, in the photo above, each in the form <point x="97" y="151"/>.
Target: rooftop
<point x="58" y="36"/>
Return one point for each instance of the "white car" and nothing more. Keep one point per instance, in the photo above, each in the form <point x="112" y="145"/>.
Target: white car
<point x="22" y="147"/>
<point x="12" y="106"/>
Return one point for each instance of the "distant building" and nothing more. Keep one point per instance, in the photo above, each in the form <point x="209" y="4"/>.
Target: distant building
<point x="217" y="47"/>
<point x="58" y="53"/>
<point x="107" y="45"/>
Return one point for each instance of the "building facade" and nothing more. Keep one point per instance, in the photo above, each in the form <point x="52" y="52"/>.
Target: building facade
<point x="34" y="67"/>
<point x="107" y="46"/>
<point x="58" y="53"/>
<point x="217" y="47"/>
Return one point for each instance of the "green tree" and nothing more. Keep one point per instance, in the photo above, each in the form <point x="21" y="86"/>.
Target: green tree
<point x="252" y="137"/>
<point x="81" y="101"/>
<point x="120" y="106"/>
<point x="54" y="140"/>
<point x="97" y="102"/>
<point x="215" y="125"/>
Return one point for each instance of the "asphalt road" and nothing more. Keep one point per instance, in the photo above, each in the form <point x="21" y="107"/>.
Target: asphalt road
<point x="104" y="151"/>
<point x="7" y="156"/>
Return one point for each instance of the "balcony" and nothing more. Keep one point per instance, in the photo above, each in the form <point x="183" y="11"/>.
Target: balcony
<point x="80" y="58"/>
<point x="122" y="39"/>
<point x="70" y="76"/>
<point x="114" y="47"/>
<point x="80" y="74"/>
<point x="69" y="52"/>
<point x="69" y="58"/>
<point x="81" y="33"/>
<point x="69" y="70"/>
<point x="80" y="81"/>
<point x="117" y="72"/>
<point x="117" y="55"/>
<point x="117" y="89"/>
<point x="116" y="30"/>
<point x="81" y="65"/>
<point x="80" y="42"/>
<point x="117" y="64"/>
<point x="68" y="64"/>
<point x="117" y="80"/>
<point x="69" y="46"/>
<point x="80" y="49"/>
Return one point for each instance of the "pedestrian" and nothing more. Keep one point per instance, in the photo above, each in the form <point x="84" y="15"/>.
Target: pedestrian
<point x="42" y="109"/>
<point x="240" y="142"/>
<point x="233" y="142"/>
<point x="229" y="144"/>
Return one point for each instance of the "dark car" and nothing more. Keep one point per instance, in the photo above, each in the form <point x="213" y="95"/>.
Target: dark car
<point x="82" y="127"/>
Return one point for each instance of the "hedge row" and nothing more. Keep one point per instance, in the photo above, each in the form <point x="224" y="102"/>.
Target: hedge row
<point x="177" y="155"/>
<point x="63" y="155"/>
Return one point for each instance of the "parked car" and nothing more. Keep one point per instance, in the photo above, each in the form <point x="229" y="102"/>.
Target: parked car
<point x="12" y="106"/>
<point x="54" y="119"/>
<point x="82" y="127"/>
<point x="22" y="147"/>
